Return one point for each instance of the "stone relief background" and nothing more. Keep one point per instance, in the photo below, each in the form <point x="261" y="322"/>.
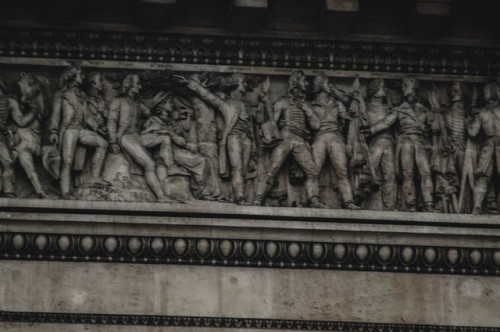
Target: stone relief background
<point x="200" y="126"/>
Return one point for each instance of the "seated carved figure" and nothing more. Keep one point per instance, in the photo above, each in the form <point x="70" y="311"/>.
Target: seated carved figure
<point x="184" y="144"/>
<point x="125" y="114"/>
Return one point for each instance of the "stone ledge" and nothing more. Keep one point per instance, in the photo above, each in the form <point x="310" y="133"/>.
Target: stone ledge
<point x="203" y="209"/>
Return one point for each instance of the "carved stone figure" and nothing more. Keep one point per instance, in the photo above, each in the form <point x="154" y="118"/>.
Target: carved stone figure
<point x="412" y="118"/>
<point x="236" y="143"/>
<point x="381" y="144"/>
<point x="328" y="141"/>
<point x="125" y="114"/>
<point x="442" y="161"/>
<point x="487" y="121"/>
<point x="27" y="118"/>
<point x="464" y="154"/>
<point x="68" y="128"/>
<point x="7" y="105"/>
<point x="97" y="109"/>
<point x="293" y="115"/>
<point x="184" y="144"/>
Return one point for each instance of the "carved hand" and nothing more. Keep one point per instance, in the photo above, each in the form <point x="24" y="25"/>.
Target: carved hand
<point x="182" y="79"/>
<point x="114" y="148"/>
<point x="303" y="106"/>
<point x="356" y="95"/>
<point x="365" y="130"/>
<point x="54" y="139"/>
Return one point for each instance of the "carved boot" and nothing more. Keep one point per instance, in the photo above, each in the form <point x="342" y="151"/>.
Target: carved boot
<point x="38" y="186"/>
<point x="316" y="204"/>
<point x="241" y="201"/>
<point x="411" y="207"/>
<point x="97" y="163"/>
<point x="429" y="207"/>
<point x="258" y="200"/>
<point x="352" y="206"/>
<point x="8" y="188"/>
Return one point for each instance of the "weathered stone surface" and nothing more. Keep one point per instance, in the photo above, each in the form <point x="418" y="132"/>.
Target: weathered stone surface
<point x="238" y="292"/>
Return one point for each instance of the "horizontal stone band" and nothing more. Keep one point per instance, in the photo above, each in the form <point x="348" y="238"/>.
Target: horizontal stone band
<point x="223" y="322"/>
<point x="251" y="52"/>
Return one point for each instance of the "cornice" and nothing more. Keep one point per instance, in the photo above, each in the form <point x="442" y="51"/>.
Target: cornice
<point x="266" y="52"/>
<point x="206" y="251"/>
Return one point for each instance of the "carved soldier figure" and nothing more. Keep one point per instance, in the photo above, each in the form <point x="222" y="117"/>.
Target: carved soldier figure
<point x="486" y="120"/>
<point x="381" y="144"/>
<point x="293" y="115"/>
<point x="68" y="127"/>
<point x="456" y="122"/>
<point x="328" y="141"/>
<point x="411" y="153"/>
<point x="237" y="138"/>
<point x="97" y="108"/>
<point x="125" y="113"/>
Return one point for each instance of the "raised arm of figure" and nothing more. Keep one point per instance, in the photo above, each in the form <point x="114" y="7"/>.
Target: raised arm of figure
<point x="210" y="98"/>
<point x="385" y="123"/>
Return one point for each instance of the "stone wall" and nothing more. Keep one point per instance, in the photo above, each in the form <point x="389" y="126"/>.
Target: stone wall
<point x="111" y="222"/>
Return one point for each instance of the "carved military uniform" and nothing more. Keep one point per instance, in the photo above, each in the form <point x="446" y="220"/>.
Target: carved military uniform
<point x="382" y="152"/>
<point x="410" y="150"/>
<point x="328" y="142"/>
<point x="293" y="122"/>
<point x="97" y="114"/>
<point x="69" y="122"/>
<point x="488" y="120"/>
<point x="236" y="143"/>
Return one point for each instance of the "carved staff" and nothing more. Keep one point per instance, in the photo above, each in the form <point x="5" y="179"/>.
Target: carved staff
<point x="363" y="122"/>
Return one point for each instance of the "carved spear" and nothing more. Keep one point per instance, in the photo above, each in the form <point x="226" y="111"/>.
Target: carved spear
<point x="365" y="150"/>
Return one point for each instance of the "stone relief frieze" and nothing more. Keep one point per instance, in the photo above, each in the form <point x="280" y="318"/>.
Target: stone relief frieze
<point x="313" y="141"/>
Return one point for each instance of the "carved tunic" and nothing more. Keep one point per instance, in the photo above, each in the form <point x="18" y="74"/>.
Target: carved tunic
<point x="377" y="112"/>
<point x="455" y="120"/>
<point x="328" y="111"/>
<point x="72" y="106"/>
<point x="489" y="121"/>
<point x="293" y="119"/>
<point x="124" y="117"/>
<point x="96" y="112"/>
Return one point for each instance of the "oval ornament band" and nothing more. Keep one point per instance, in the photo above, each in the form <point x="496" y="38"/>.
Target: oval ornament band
<point x="250" y="253"/>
